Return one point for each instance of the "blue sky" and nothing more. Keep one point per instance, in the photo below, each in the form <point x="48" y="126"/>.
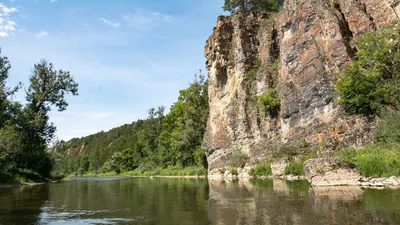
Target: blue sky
<point x="127" y="55"/>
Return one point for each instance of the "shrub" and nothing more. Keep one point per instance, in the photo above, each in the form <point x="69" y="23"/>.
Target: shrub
<point x="372" y="81"/>
<point x="239" y="158"/>
<point x="81" y="171"/>
<point x="268" y="102"/>
<point x="261" y="170"/>
<point x="251" y="74"/>
<point x="233" y="171"/>
<point x="294" y="168"/>
<point x="374" y="160"/>
<point x="389" y="130"/>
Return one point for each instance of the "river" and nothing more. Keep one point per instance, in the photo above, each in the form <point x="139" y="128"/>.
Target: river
<point x="195" y="201"/>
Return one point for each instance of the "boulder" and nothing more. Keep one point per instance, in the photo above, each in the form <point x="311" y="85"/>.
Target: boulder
<point x="331" y="172"/>
<point x="278" y="168"/>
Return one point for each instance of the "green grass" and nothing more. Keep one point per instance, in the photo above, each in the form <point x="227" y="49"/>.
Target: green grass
<point x="173" y="171"/>
<point x="22" y="176"/>
<point x="294" y="168"/>
<point x="261" y="170"/>
<point x="381" y="160"/>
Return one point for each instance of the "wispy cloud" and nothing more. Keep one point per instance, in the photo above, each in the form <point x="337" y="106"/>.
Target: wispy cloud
<point x="7" y="26"/>
<point x="145" y="19"/>
<point x="51" y="1"/>
<point x="42" y="34"/>
<point x="110" y="23"/>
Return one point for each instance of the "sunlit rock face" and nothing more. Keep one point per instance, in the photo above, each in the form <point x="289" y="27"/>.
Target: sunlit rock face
<point x="299" y="50"/>
<point x="331" y="172"/>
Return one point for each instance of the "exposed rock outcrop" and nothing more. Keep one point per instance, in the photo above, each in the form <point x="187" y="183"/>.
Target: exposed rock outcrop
<point x="331" y="172"/>
<point x="297" y="53"/>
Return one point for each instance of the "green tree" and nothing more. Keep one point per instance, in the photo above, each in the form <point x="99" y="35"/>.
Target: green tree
<point x="252" y="5"/>
<point x="372" y="82"/>
<point x="114" y="163"/>
<point x="5" y="91"/>
<point x="85" y="163"/>
<point x="47" y="88"/>
<point x="159" y="141"/>
<point x="184" y="126"/>
<point x="130" y="159"/>
<point x="10" y="148"/>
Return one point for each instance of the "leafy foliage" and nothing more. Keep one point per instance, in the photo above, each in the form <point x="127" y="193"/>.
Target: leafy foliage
<point x="372" y="81"/>
<point x="154" y="144"/>
<point x="389" y="130"/>
<point x="25" y="130"/>
<point x="261" y="170"/>
<point x="269" y="102"/>
<point x="294" y="168"/>
<point x="252" y="5"/>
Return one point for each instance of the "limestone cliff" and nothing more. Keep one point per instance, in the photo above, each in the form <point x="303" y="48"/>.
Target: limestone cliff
<point x="296" y="53"/>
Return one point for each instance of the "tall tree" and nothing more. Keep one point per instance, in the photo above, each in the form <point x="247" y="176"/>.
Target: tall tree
<point x="47" y="88"/>
<point x="252" y="5"/>
<point x="5" y="91"/>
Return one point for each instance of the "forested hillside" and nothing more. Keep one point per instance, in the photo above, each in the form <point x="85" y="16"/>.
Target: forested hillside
<point x="172" y="140"/>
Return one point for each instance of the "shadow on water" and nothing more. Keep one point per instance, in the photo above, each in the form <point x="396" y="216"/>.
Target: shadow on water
<point x="195" y="201"/>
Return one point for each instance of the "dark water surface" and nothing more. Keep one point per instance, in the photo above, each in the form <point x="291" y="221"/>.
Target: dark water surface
<point x="195" y="201"/>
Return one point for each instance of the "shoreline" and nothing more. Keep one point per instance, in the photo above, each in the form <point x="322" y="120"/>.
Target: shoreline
<point x="365" y="182"/>
<point x="4" y="186"/>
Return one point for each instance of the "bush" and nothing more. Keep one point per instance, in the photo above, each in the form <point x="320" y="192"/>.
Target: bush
<point x="233" y="171"/>
<point x="374" y="160"/>
<point x="269" y="103"/>
<point x="389" y="130"/>
<point x="294" y="168"/>
<point x="239" y="158"/>
<point x="371" y="83"/>
<point x="81" y="171"/>
<point x="261" y="170"/>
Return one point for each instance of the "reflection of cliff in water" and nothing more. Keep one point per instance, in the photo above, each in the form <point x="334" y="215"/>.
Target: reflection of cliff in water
<point x="284" y="202"/>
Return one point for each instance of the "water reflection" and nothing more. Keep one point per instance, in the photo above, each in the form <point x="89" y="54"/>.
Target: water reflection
<point x="22" y="205"/>
<point x="284" y="202"/>
<point x="196" y="201"/>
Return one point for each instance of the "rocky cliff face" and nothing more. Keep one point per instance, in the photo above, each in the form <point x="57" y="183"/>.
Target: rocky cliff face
<point x="296" y="53"/>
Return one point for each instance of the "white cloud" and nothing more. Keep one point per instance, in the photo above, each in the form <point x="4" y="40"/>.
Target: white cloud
<point x="146" y="19"/>
<point x="7" y="26"/>
<point x="51" y="1"/>
<point x="4" y="9"/>
<point x="110" y="23"/>
<point x="3" y="34"/>
<point x="42" y="34"/>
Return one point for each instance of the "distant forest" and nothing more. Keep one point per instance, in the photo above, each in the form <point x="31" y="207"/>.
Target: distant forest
<point x="161" y="141"/>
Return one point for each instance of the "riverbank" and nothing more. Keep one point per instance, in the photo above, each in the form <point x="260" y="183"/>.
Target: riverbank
<point x="24" y="178"/>
<point x="168" y="172"/>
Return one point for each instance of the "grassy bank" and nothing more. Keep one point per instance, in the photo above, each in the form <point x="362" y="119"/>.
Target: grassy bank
<point x="188" y="171"/>
<point x="381" y="160"/>
<point x="22" y="177"/>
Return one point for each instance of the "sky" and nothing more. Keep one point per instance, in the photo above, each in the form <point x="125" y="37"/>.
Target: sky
<point x="126" y="55"/>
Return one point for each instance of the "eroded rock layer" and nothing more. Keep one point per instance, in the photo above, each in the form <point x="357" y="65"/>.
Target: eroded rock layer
<point x="296" y="53"/>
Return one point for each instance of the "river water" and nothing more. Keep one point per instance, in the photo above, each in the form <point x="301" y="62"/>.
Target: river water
<point x="195" y="201"/>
